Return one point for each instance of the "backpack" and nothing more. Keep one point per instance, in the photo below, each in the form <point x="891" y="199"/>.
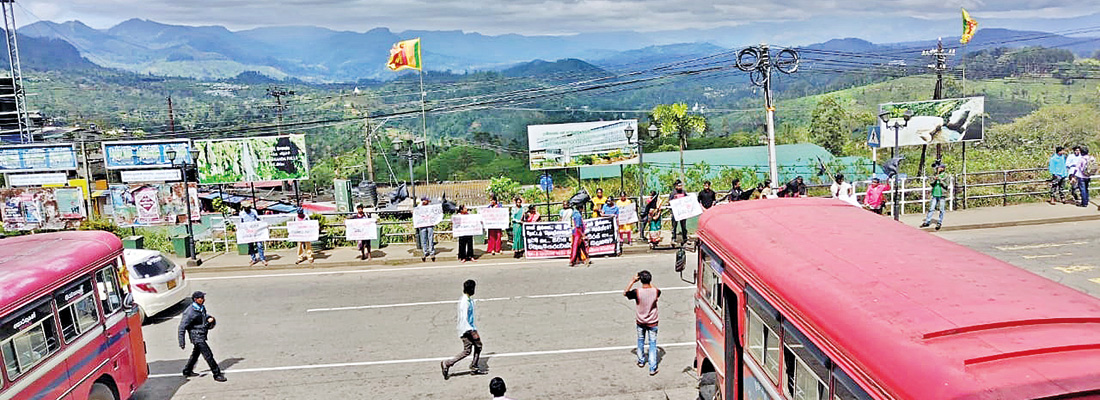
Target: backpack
<point x="1090" y="166"/>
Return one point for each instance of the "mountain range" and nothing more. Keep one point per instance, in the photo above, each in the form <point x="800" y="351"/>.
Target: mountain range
<point x="323" y="55"/>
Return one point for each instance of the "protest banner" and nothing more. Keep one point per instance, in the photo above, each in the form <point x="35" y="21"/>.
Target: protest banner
<point x="361" y="229"/>
<point x="465" y="225"/>
<point x="253" y="231"/>
<point x="495" y="218"/>
<point x="429" y="215"/>
<point x="303" y="231"/>
<point x="554" y="239"/>
<point x="686" y="207"/>
<point x="628" y="214"/>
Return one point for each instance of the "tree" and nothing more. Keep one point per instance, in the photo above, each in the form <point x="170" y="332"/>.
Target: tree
<point x="673" y="119"/>
<point x="827" y="125"/>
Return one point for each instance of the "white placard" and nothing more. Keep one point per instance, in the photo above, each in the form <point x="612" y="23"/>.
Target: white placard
<point x="196" y="208"/>
<point x="628" y="214"/>
<point x="151" y="175"/>
<point x="686" y="207"/>
<point x="495" y="218"/>
<point x="429" y="215"/>
<point x="303" y="231"/>
<point x="465" y="225"/>
<point x="48" y="178"/>
<point x="361" y="229"/>
<point x="253" y="231"/>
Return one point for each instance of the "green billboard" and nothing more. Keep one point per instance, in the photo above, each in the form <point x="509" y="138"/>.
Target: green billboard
<point x="254" y="159"/>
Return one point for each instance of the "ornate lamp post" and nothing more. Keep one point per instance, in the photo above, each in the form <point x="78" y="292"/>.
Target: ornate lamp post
<point x="184" y="164"/>
<point x="896" y="123"/>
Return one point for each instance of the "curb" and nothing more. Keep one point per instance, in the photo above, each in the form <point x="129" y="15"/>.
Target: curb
<point x="1005" y="224"/>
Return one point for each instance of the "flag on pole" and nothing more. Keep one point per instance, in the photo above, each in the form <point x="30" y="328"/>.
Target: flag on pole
<point x="969" y="26"/>
<point x="405" y="54"/>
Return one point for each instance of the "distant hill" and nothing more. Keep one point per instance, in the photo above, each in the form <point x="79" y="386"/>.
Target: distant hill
<point x="45" y="54"/>
<point x="569" y="69"/>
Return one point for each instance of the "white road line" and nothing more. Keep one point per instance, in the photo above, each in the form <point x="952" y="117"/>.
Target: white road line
<point x="1036" y="246"/>
<point x="367" y="271"/>
<point x="431" y="303"/>
<point x="1045" y="256"/>
<point x="432" y="359"/>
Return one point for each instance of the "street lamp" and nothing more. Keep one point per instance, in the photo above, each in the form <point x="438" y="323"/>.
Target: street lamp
<point x="897" y="123"/>
<point x="411" y="155"/>
<point x="183" y="164"/>
<point x="629" y="131"/>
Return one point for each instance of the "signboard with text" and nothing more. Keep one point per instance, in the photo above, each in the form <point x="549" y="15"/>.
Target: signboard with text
<point x="465" y="225"/>
<point x="146" y="153"/>
<point x="29" y="208"/>
<point x="554" y="239"/>
<point x="361" y="229"/>
<point x="39" y="179"/>
<point x="153" y="204"/>
<point x="253" y="231"/>
<point x="628" y="214"/>
<point x="151" y="175"/>
<point x="495" y="218"/>
<point x="685" y="207"/>
<point x="37" y="157"/>
<point x="429" y="215"/>
<point x="261" y="158"/>
<point x="933" y="122"/>
<point x="303" y="231"/>
<point x="581" y="144"/>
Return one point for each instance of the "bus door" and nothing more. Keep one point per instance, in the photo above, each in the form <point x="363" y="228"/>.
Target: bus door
<point x="730" y="316"/>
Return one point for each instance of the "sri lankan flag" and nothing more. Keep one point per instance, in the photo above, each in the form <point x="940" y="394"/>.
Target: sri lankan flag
<point x="969" y="27"/>
<point x="405" y="54"/>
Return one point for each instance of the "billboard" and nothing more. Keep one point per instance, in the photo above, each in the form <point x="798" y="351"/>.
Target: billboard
<point x="935" y="122"/>
<point x="582" y="144"/>
<point x="32" y="158"/>
<point x="145" y="153"/>
<point x="264" y="158"/>
<point x="152" y="204"/>
<point x="42" y="208"/>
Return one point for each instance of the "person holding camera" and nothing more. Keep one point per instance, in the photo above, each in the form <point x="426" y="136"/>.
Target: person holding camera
<point x="645" y="317"/>
<point x="197" y="323"/>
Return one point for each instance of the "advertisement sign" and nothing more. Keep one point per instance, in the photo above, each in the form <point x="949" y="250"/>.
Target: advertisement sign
<point x="429" y="215"/>
<point x="31" y="208"/>
<point x="153" y="204"/>
<point x="554" y="239"/>
<point x="465" y="225"/>
<point x="253" y="231"/>
<point x="934" y="122"/>
<point x="361" y="229"/>
<point x="685" y="207"/>
<point x="45" y="178"/>
<point x="342" y="191"/>
<point x="263" y="158"/>
<point x="495" y="218"/>
<point x="581" y="144"/>
<point x="37" y="157"/>
<point x="145" y="153"/>
<point x="303" y="231"/>
<point x="628" y="214"/>
<point x="151" y="175"/>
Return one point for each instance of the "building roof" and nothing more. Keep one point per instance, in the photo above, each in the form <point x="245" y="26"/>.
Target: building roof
<point x="31" y="263"/>
<point x="969" y="325"/>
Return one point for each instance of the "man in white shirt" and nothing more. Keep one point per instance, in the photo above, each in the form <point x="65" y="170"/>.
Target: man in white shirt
<point x="467" y="331"/>
<point x="1071" y="172"/>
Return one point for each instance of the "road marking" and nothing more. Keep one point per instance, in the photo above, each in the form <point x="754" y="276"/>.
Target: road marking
<point x="424" y="360"/>
<point x="1036" y="246"/>
<point x="1072" y="269"/>
<point x="431" y="303"/>
<point x="1095" y="280"/>
<point x="1046" y="256"/>
<point x="366" y="271"/>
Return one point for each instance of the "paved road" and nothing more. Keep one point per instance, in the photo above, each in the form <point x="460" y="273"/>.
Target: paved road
<point x="1066" y="253"/>
<point x="549" y="331"/>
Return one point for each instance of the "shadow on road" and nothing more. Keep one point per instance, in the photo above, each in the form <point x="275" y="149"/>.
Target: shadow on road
<point x="166" y="387"/>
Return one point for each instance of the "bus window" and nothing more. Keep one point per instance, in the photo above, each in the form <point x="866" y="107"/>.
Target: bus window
<point x="27" y="339"/>
<point x="109" y="292"/>
<point x="763" y="345"/>
<point x="76" y="309"/>
<point x="711" y="281"/>
<point x="806" y="367"/>
<point x="844" y="388"/>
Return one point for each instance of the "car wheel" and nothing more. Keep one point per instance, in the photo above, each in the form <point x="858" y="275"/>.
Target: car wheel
<point x="101" y="392"/>
<point x="141" y="315"/>
<point x="708" y="386"/>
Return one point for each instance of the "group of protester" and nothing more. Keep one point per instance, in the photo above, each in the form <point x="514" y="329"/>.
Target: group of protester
<point x="1076" y="168"/>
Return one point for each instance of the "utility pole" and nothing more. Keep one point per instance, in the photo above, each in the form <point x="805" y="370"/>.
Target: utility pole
<point x="940" y="66"/>
<point x="759" y="62"/>
<point x="171" y="118"/>
<point x="278" y="93"/>
<point x="370" y="152"/>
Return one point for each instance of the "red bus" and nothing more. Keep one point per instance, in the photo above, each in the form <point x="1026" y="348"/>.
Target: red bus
<point x="66" y="330"/>
<point x="816" y="299"/>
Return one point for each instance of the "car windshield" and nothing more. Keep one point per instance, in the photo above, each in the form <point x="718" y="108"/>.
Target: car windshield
<point x="152" y="267"/>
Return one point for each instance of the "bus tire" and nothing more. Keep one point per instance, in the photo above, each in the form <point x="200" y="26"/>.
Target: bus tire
<point x="708" y="386"/>
<point x="101" y="391"/>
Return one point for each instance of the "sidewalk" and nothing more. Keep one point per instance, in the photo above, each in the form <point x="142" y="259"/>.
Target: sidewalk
<point x="999" y="217"/>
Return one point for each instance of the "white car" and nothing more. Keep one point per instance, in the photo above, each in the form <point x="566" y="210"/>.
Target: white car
<point x="155" y="281"/>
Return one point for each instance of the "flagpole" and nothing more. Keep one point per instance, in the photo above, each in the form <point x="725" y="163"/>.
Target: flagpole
<point x="424" y="123"/>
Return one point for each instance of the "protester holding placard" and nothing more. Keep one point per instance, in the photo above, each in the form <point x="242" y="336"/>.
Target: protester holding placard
<point x="493" y="241"/>
<point x="626" y="207"/>
<point x="305" y="248"/>
<point x="465" y="242"/>
<point x="598" y="201"/>
<point x="425" y="235"/>
<point x="256" y="249"/>
<point x="678" y="192"/>
<point x="364" y="245"/>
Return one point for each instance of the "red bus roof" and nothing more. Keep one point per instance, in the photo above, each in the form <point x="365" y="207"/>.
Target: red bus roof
<point x="31" y="264"/>
<point x="925" y="317"/>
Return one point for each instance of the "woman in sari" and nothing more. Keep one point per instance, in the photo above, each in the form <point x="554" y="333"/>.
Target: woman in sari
<point x="517" y="229"/>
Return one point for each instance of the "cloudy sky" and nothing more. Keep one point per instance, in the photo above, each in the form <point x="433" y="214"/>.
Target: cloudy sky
<point x="532" y="17"/>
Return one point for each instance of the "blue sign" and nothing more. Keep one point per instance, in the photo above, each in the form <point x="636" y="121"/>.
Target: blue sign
<point x="546" y="183"/>
<point x="46" y="157"/>
<point x="145" y="154"/>
<point x="874" y="136"/>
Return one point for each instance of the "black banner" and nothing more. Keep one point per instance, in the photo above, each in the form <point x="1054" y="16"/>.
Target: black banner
<point x="554" y="239"/>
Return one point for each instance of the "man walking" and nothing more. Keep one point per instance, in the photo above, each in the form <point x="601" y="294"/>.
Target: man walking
<point x="645" y="317"/>
<point x="1086" y="168"/>
<point x="707" y="196"/>
<point x="467" y="331"/>
<point x="197" y="323"/>
<point x="256" y="249"/>
<point x="425" y="236"/>
<point x="939" y="196"/>
<point x="1057" y="167"/>
<point x="678" y="192"/>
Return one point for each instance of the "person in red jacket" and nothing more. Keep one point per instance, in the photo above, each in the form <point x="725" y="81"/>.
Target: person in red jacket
<point x="875" y="199"/>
